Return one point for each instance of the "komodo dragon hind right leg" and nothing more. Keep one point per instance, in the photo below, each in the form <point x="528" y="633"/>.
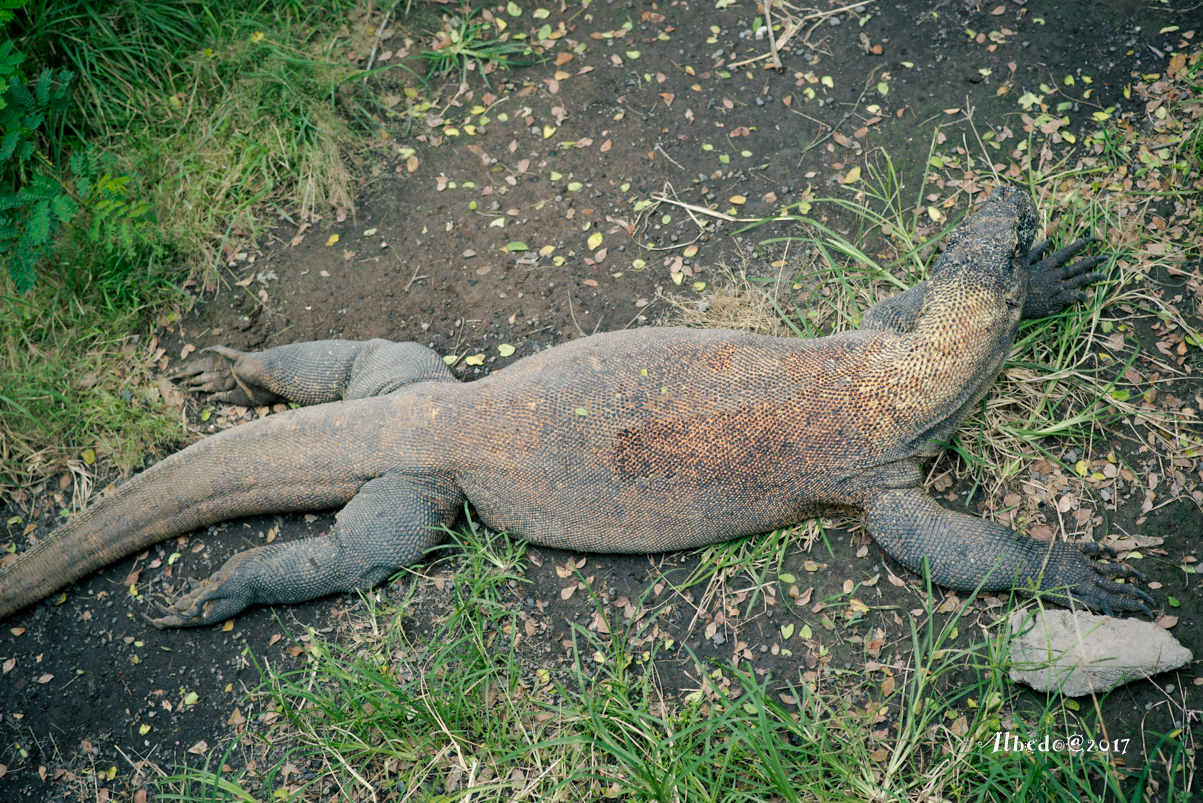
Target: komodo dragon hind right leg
<point x="312" y="373"/>
<point x="965" y="552"/>
<point x="388" y="525"/>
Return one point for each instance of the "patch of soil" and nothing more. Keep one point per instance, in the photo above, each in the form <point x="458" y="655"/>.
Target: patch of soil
<point x="568" y="151"/>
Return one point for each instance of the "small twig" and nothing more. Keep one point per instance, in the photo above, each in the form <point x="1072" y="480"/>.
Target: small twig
<point x="666" y="156"/>
<point x="790" y="29"/>
<point x="642" y="312"/>
<point x="701" y="210"/>
<point x="797" y="25"/>
<point x="573" y="314"/>
<point x="413" y="278"/>
<point x="380" y="36"/>
<point x="768" y="21"/>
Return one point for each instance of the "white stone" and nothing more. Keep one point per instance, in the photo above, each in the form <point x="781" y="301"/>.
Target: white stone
<point x="1078" y="652"/>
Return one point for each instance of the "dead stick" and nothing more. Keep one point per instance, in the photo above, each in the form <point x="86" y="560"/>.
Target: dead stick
<point x="768" y="21"/>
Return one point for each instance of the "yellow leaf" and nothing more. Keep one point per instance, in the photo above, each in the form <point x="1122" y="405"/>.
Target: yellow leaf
<point x="475" y="359"/>
<point x="853" y="175"/>
<point x="677" y="277"/>
<point x="144" y="729"/>
<point x="595" y="239"/>
<point x="548" y="131"/>
<point x="1081" y="468"/>
<point x="333" y="239"/>
<point x="739" y="199"/>
<point x="546" y="250"/>
<point x="690" y="251"/>
<point x="505" y="350"/>
<point x="89" y="456"/>
<point x="699" y="286"/>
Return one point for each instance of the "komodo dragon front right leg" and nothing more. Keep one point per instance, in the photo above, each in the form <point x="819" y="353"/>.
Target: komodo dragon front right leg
<point x="966" y="553"/>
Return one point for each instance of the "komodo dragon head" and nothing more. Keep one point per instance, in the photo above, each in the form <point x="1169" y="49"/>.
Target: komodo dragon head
<point x="990" y="251"/>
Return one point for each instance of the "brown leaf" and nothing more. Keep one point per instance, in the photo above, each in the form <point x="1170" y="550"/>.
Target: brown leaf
<point x="566" y="593"/>
<point x="668" y="98"/>
<point x="1166" y="621"/>
<point x="1041" y="532"/>
<point x="605" y="146"/>
<point x="563" y="58"/>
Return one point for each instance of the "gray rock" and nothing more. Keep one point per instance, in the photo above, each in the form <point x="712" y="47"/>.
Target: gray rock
<point x="1078" y="652"/>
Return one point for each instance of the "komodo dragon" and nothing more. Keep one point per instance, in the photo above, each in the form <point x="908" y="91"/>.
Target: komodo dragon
<point x="635" y="441"/>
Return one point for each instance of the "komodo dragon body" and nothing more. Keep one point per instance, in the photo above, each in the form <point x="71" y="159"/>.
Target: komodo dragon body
<point x="635" y="441"/>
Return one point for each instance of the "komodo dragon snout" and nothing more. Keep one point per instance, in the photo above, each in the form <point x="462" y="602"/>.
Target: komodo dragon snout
<point x="645" y="440"/>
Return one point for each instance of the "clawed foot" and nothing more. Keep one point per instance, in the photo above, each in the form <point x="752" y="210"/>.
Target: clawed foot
<point x="212" y="600"/>
<point x="1054" y="285"/>
<point x="1072" y="574"/>
<point x="222" y="373"/>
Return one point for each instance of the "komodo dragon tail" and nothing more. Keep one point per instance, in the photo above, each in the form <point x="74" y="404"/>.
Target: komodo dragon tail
<point x="305" y="459"/>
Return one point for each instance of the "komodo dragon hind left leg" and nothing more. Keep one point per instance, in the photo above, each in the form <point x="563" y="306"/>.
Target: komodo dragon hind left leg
<point x="389" y="524"/>
<point x="964" y="552"/>
<point x="312" y="373"/>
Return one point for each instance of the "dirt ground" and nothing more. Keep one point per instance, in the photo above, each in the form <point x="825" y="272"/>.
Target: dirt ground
<point x="484" y="249"/>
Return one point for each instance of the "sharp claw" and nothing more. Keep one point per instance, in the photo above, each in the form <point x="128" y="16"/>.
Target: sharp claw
<point x="1037" y="250"/>
<point x="1144" y="610"/>
<point x="224" y="351"/>
<point x="1068" y="251"/>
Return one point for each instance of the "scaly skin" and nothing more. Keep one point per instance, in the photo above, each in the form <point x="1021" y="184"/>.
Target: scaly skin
<point x="636" y="441"/>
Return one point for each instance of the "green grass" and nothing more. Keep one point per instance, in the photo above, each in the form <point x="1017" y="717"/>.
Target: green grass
<point x="463" y="713"/>
<point x="77" y="371"/>
<point x="223" y="116"/>
<point x="469" y="43"/>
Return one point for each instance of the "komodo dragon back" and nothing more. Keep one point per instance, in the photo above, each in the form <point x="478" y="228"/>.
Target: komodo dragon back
<point x="632" y="441"/>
